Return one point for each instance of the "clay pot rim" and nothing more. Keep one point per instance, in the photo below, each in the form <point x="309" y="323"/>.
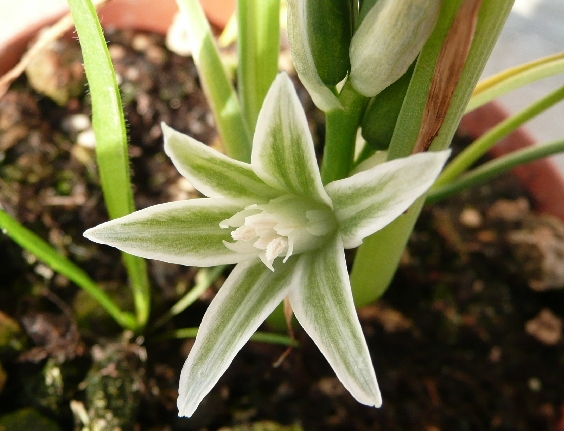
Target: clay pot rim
<point x="142" y="15"/>
<point x="542" y="179"/>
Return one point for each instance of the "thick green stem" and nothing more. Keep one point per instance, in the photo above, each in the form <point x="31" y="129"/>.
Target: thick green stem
<point x="495" y="167"/>
<point x="480" y="146"/>
<point x="340" y="137"/>
<point x="379" y="255"/>
<point x="258" y="44"/>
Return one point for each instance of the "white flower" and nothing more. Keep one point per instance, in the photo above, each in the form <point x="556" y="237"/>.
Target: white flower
<point x="283" y="229"/>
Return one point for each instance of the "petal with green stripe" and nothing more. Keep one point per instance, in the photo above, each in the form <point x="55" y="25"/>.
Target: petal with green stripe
<point x="214" y="174"/>
<point x="283" y="154"/>
<point x="322" y="301"/>
<point x="183" y="232"/>
<point x="369" y="200"/>
<point x="248" y="296"/>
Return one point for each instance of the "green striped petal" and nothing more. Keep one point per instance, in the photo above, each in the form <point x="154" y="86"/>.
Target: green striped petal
<point x="248" y="296"/>
<point x="322" y="301"/>
<point x="183" y="232"/>
<point x="283" y="155"/>
<point x="322" y="96"/>
<point x="369" y="200"/>
<point x="212" y="173"/>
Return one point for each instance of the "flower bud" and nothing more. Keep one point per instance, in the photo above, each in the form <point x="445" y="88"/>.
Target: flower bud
<point x="329" y="30"/>
<point x="388" y="40"/>
<point x="307" y="66"/>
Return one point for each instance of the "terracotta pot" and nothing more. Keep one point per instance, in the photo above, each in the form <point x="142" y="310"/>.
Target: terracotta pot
<point x="542" y="178"/>
<point x="145" y="15"/>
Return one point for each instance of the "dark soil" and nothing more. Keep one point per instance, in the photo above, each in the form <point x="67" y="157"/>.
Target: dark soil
<point x="468" y="337"/>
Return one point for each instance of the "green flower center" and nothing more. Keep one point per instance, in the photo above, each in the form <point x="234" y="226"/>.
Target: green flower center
<point x="282" y="227"/>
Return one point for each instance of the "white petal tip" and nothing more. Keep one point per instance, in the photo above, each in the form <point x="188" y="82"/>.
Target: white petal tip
<point x="185" y="412"/>
<point x="91" y="235"/>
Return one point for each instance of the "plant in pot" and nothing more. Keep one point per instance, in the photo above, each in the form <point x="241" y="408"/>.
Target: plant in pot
<point x="268" y="208"/>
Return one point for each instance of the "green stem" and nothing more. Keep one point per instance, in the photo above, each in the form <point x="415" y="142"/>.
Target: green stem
<point x="44" y="252"/>
<point x="221" y="96"/>
<point x="111" y="139"/>
<point x="261" y="337"/>
<point x="377" y="258"/>
<point x="495" y="167"/>
<point x="258" y="44"/>
<point x="341" y="127"/>
<point x="204" y="279"/>
<point x="374" y="266"/>
<point x="481" y="145"/>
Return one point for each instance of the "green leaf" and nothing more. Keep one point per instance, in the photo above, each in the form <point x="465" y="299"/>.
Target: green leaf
<point x="515" y="77"/>
<point x="258" y="45"/>
<point x="37" y="246"/>
<point x="322" y="302"/>
<point x="111" y="138"/>
<point x="183" y="232"/>
<point x="322" y="96"/>
<point x="381" y="252"/>
<point x="248" y="296"/>
<point x="369" y="200"/>
<point x="283" y="153"/>
<point x="212" y="173"/>
<point x="223" y="100"/>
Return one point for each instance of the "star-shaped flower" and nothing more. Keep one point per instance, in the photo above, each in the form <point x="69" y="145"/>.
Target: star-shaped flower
<point x="285" y="231"/>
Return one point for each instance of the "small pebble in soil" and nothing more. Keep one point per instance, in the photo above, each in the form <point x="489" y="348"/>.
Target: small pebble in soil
<point x="471" y="218"/>
<point x="546" y="327"/>
<point x="76" y="123"/>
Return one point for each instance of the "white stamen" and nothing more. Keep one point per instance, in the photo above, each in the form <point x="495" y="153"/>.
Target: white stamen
<point x="280" y="227"/>
<point x="275" y="247"/>
<point x="244" y="233"/>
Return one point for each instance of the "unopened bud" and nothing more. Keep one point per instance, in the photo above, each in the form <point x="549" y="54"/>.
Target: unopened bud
<point x="388" y="40"/>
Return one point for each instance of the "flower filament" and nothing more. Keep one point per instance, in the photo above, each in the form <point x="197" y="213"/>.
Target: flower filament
<point x="284" y="226"/>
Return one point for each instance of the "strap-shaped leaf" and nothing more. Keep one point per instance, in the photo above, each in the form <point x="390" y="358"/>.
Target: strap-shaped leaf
<point x="248" y="296"/>
<point x="322" y="301"/>
<point x="322" y="96"/>
<point x="183" y="232"/>
<point x="212" y="173"/>
<point x="283" y="154"/>
<point x="366" y="202"/>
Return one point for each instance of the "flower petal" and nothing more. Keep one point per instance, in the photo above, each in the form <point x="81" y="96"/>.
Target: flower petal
<point x="366" y="202"/>
<point x="322" y="96"/>
<point x="322" y="301"/>
<point x="283" y="155"/>
<point x="214" y="174"/>
<point x="248" y="296"/>
<point x="183" y="232"/>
